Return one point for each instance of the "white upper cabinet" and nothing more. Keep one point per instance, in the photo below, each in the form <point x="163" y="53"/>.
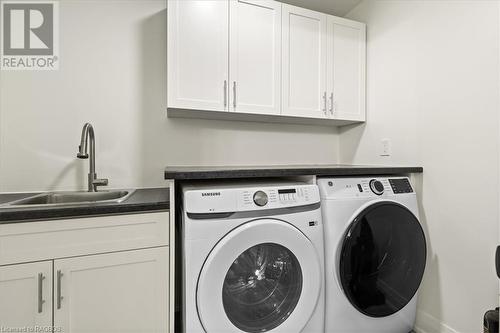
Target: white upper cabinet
<point x="198" y="51"/>
<point x="304" y="62"/>
<point x="346" y="69"/>
<point x="262" y="60"/>
<point x="255" y="56"/>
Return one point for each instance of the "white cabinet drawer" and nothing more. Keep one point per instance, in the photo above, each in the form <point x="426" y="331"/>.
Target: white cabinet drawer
<point x="41" y="240"/>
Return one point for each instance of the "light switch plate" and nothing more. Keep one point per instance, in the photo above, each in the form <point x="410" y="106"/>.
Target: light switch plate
<point x="385" y="147"/>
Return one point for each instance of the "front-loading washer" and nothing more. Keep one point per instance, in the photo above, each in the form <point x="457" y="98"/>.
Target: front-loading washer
<point x="375" y="254"/>
<point x="252" y="258"/>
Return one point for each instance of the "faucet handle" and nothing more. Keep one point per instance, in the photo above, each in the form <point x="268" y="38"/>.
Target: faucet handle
<point x="99" y="182"/>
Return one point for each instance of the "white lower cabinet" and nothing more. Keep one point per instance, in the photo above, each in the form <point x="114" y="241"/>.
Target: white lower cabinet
<point x="88" y="275"/>
<point x="26" y="296"/>
<point x="117" y="292"/>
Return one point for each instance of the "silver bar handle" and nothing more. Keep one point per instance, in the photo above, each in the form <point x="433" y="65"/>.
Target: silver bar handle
<point x="324" y="102"/>
<point x="40" y="292"/>
<point x="59" y="295"/>
<point x="225" y="93"/>
<point x="234" y="94"/>
<point x="331" y="103"/>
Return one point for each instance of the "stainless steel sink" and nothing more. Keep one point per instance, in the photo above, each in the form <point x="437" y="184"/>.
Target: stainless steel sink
<point x="72" y="198"/>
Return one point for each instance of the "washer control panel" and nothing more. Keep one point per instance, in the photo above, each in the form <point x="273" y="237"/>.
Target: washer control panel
<point x="364" y="187"/>
<point x="248" y="198"/>
<point x="277" y="197"/>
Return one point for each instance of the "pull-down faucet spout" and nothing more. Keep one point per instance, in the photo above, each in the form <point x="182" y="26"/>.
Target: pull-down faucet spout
<point x="88" y="139"/>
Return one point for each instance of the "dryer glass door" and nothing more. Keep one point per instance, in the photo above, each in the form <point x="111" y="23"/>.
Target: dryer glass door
<point x="383" y="259"/>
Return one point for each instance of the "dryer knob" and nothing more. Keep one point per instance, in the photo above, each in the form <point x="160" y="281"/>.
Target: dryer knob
<point x="260" y="198"/>
<point x="377" y="187"/>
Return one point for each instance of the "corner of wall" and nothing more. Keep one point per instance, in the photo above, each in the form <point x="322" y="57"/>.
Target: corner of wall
<point x="426" y="323"/>
<point x="360" y="3"/>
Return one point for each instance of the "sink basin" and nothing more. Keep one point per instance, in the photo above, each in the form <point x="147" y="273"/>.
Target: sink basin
<point x="72" y="198"/>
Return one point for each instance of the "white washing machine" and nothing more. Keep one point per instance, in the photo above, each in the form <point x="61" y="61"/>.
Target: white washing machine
<point x="253" y="258"/>
<point x="375" y="254"/>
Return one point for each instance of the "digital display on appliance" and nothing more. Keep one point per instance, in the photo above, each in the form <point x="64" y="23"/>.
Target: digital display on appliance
<point x="400" y="185"/>
<point x="287" y="191"/>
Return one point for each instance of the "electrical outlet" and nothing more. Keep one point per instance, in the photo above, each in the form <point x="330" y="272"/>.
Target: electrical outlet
<point x="385" y="147"/>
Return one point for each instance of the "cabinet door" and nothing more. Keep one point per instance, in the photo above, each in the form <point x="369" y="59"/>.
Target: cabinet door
<point x="255" y="56"/>
<point x="198" y="48"/>
<point x="117" y="292"/>
<point x="346" y="69"/>
<point x="304" y="62"/>
<point x="26" y="295"/>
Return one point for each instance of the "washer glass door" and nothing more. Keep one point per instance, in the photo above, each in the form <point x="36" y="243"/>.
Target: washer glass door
<point x="262" y="287"/>
<point x="383" y="259"/>
<point x="263" y="276"/>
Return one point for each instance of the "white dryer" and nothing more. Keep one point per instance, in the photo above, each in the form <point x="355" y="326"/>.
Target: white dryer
<point x="253" y="258"/>
<point x="375" y="254"/>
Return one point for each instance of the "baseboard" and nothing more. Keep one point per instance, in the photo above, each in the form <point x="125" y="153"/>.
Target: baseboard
<point x="427" y="323"/>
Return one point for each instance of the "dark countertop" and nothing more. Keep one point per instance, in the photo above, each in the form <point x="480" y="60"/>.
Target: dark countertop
<point x="229" y="172"/>
<point x="142" y="200"/>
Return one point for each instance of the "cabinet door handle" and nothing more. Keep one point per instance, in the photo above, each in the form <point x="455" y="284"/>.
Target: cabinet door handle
<point x="234" y="94"/>
<point x="324" y="102"/>
<point x="331" y="103"/>
<point x="40" y="292"/>
<point x="225" y="93"/>
<point x="59" y="295"/>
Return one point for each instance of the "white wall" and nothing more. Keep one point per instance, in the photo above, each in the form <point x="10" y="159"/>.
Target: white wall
<point x="113" y="74"/>
<point x="433" y="89"/>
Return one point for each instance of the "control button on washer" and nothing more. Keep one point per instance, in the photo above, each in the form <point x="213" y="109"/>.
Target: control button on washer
<point x="260" y="198"/>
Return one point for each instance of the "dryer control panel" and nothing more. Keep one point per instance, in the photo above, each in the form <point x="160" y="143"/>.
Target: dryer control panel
<point x="249" y="198"/>
<point x="400" y="185"/>
<point x="364" y="187"/>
